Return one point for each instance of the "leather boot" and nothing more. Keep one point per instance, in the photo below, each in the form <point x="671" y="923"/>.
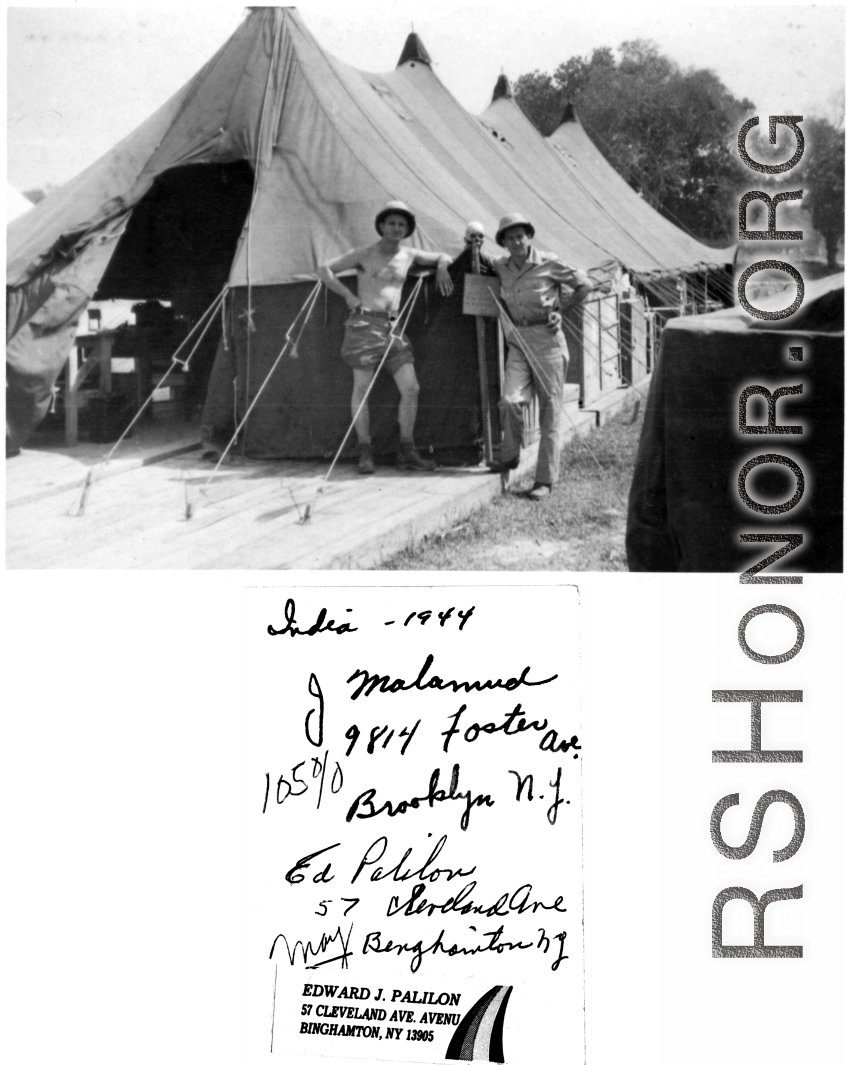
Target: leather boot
<point x="366" y="459"/>
<point x="498" y="466"/>
<point x="409" y="459"/>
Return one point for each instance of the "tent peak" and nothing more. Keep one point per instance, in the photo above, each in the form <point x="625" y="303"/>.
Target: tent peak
<point x="503" y="89"/>
<point x="414" y="51"/>
<point x="569" y="114"/>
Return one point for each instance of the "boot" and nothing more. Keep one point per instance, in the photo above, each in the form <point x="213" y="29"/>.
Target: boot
<point x="503" y="467"/>
<point x="409" y="459"/>
<point x="366" y="459"/>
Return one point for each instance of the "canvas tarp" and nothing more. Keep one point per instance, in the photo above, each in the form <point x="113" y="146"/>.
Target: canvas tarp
<point x="685" y="512"/>
<point x="328" y="146"/>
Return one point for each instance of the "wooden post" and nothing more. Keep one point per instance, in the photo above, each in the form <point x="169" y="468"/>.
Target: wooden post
<point x="76" y="374"/>
<point x="105" y="342"/>
<point x="72" y="399"/>
<point x="487" y="435"/>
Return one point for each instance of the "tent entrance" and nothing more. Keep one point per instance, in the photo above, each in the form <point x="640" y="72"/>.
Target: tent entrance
<point x="173" y="259"/>
<point x="304" y="408"/>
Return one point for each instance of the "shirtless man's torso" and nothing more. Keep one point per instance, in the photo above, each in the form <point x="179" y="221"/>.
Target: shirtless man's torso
<point x="381" y="270"/>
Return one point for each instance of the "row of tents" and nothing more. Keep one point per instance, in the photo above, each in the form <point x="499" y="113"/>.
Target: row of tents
<point x="276" y="157"/>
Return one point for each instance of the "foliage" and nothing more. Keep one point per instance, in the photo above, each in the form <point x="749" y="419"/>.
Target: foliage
<point x="819" y="175"/>
<point x="823" y="181"/>
<point x="671" y="133"/>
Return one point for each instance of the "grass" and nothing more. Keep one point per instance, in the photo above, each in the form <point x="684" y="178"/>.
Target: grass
<point x="581" y="526"/>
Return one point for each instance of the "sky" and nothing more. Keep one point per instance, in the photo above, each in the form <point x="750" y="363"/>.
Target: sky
<point x="79" y="78"/>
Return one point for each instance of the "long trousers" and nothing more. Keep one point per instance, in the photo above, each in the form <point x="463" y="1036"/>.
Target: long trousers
<point x="543" y="374"/>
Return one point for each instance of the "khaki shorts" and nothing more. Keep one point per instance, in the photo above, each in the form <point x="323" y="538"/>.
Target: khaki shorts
<point x="366" y="337"/>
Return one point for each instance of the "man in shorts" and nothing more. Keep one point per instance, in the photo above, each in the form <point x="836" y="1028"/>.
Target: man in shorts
<point x="381" y="269"/>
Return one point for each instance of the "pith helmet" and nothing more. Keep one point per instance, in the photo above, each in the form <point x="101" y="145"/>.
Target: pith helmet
<point x="395" y="207"/>
<point x="508" y="221"/>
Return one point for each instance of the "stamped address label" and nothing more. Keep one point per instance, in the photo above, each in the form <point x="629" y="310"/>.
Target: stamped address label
<point x="413" y="826"/>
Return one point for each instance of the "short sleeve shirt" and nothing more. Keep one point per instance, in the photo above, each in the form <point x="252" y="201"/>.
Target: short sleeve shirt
<point x="533" y="290"/>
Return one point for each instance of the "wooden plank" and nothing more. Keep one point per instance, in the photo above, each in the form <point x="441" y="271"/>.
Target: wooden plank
<point x="186" y="545"/>
<point x="409" y="526"/>
<point x="113" y="508"/>
<point x="71" y="398"/>
<point x="52" y="537"/>
<point x="410" y="533"/>
<point x="250" y="521"/>
<point x="144" y="523"/>
<point x="130" y="526"/>
<point x="169" y="541"/>
<point x="401" y="525"/>
<point x="344" y="521"/>
<point x="293" y="547"/>
<point x="263" y="545"/>
<point x="104" y="352"/>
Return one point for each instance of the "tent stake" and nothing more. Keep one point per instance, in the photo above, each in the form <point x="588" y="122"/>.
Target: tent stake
<point x="88" y="482"/>
<point x="402" y="320"/>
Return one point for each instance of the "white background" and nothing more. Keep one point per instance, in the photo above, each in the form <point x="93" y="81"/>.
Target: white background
<point x="123" y="804"/>
<point x="122" y="788"/>
<point x="508" y="843"/>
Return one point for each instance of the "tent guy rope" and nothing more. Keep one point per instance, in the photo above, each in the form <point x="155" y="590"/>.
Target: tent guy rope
<point x="406" y="311"/>
<point x="90" y="477"/>
<point x="308" y="306"/>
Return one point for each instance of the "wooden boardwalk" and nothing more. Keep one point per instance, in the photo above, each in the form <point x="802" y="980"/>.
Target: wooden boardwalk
<point x="249" y="517"/>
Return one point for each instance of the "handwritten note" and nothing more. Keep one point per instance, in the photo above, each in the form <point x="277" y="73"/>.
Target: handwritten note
<point x="413" y="825"/>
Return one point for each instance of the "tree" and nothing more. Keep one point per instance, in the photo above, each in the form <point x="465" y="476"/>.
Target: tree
<point x="669" y="132"/>
<point x="823" y="178"/>
<point x="819" y="175"/>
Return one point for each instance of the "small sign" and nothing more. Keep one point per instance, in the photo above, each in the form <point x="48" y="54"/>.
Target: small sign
<point x="478" y="295"/>
<point x="122" y="364"/>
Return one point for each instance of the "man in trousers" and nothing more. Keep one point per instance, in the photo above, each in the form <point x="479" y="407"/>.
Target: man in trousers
<point x="538" y="289"/>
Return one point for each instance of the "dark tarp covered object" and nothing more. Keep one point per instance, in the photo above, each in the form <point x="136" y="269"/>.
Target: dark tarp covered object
<point x="301" y="152"/>
<point x="685" y="511"/>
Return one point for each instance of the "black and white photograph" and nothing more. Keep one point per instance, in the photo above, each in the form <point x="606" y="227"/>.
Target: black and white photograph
<point x="423" y="600"/>
<point x="482" y="311"/>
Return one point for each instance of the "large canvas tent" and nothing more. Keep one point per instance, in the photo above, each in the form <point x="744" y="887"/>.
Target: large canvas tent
<point x="274" y="158"/>
<point x="570" y="174"/>
<point x="685" y="513"/>
<point x="661" y="247"/>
